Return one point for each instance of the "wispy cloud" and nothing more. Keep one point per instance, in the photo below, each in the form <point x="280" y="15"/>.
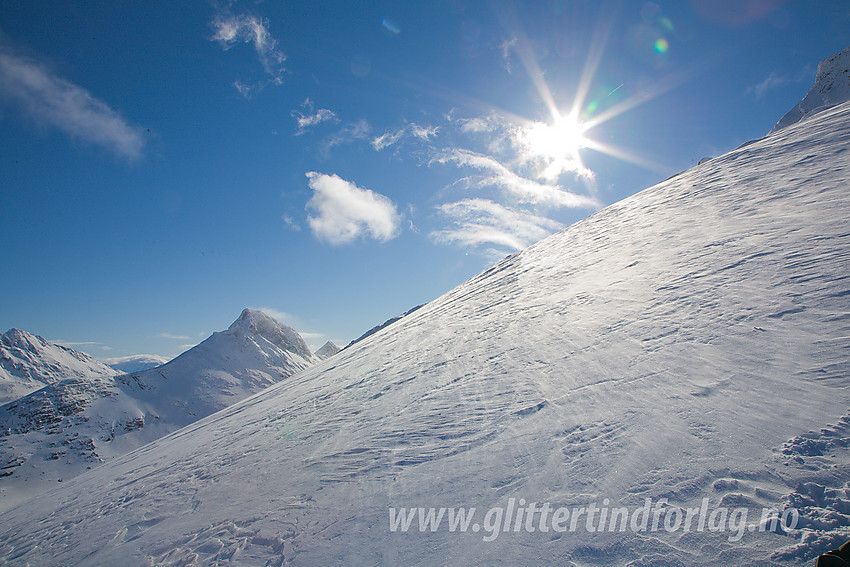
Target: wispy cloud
<point x="232" y="29"/>
<point x="772" y="81"/>
<point x="280" y="316"/>
<point x="506" y="47"/>
<point x="308" y="117"/>
<point x="291" y="223"/>
<point x="411" y="129"/>
<point x="173" y="337"/>
<point x="70" y="344"/>
<point x="478" y="222"/>
<point x="56" y="102"/>
<point x="497" y="174"/>
<point x="351" y="132"/>
<point x="311" y="337"/>
<point x="775" y="80"/>
<point x="345" y="212"/>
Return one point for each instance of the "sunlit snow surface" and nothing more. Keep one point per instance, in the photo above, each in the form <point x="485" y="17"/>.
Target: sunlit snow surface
<point x="672" y="345"/>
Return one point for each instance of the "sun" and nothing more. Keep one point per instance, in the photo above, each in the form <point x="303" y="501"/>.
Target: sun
<point x="563" y="138"/>
<point x="556" y="146"/>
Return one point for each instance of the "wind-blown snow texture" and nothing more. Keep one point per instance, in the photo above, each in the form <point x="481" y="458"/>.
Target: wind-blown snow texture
<point x="73" y="425"/>
<point x="28" y="363"/>
<point x="691" y="341"/>
<point x="832" y="86"/>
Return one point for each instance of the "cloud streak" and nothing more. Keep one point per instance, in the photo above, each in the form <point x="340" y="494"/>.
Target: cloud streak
<point x="476" y="222"/>
<point x="345" y="212"/>
<point x="56" y="102"/>
<point x="410" y="130"/>
<point x="499" y="175"/>
<point x="173" y="337"/>
<point x="348" y="133"/>
<point x="775" y="80"/>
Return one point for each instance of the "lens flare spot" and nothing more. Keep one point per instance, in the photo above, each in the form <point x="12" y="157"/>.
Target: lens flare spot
<point x="661" y="45"/>
<point x="390" y="27"/>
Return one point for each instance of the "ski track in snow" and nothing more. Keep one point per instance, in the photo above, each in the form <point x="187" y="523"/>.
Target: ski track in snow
<point x="679" y="344"/>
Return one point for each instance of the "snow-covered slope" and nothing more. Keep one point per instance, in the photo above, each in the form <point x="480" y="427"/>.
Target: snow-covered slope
<point x="135" y="363"/>
<point x="690" y="345"/>
<point x="327" y="350"/>
<point x="67" y="427"/>
<point x="28" y="362"/>
<point x="832" y="86"/>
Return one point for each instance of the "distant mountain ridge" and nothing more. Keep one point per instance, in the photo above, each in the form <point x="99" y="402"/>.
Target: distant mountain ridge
<point x="85" y="417"/>
<point x="28" y="362"/>
<point x="327" y="350"/>
<point x="135" y="363"/>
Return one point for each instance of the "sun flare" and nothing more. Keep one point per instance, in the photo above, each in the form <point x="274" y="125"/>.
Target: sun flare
<point x="561" y="139"/>
<point x="556" y="146"/>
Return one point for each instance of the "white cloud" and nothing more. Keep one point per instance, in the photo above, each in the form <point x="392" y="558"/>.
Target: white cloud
<point x="477" y="222"/>
<point x="56" y="102"/>
<point x="233" y="29"/>
<point x="308" y="117"/>
<point x="346" y="212"/>
<point x="526" y="190"/>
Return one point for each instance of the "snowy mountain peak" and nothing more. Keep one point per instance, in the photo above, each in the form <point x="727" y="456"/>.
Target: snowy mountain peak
<point x="327" y="350"/>
<point x="22" y="339"/>
<point x="254" y="322"/>
<point x="832" y="87"/>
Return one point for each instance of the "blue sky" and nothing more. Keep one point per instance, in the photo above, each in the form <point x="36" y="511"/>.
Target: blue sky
<point x="165" y="164"/>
